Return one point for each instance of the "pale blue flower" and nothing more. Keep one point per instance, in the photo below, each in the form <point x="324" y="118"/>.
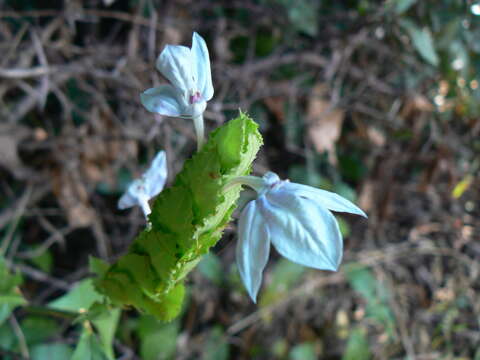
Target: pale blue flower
<point x="188" y="71"/>
<point x="141" y="190"/>
<point x="295" y="219"/>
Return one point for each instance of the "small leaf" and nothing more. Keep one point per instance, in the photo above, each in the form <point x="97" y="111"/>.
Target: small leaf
<point x="106" y="325"/>
<point x="7" y="337"/>
<point x="400" y="6"/>
<point x="158" y="340"/>
<point x="344" y="227"/>
<point x="303" y="14"/>
<point x="462" y="186"/>
<point x="304" y="351"/>
<point x="44" y="261"/>
<point x="79" y="299"/>
<point x="88" y="347"/>
<point x="375" y="294"/>
<point x="10" y="295"/>
<point x="211" y="267"/>
<point x="283" y="276"/>
<point x="8" y="304"/>
<point x="38" y="328"/>
<point x="357" y="346"/>
<point x="217" y="347"/>
<point x="422" y="41"/>
<point x="52" y="351"/>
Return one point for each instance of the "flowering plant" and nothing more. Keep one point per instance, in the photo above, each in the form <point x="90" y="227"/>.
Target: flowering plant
<point x="189" y="217"/>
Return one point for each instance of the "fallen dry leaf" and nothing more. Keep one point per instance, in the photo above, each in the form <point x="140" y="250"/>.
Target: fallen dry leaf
<point x="101" y="146"/>
<point x="376" y="137"/>
<point x="73" y="198"/>
<point x="416" y="103"/>
<point x="325" y="122"/>
<point x="367" y="194"/>
<point x="275" y="104"/>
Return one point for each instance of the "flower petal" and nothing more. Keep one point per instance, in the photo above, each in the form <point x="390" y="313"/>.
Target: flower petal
<point x="156" y="176"/>
<point x="302" y="231"/>
<point x="328" y="199"/>
<point x="176" y="64"/>
<point x="253" y="248"/>
<point x="246" y="196"/>
<point x="161" y="100"/>
<point x="131" y="196"/>
<point x="202" y="65"/>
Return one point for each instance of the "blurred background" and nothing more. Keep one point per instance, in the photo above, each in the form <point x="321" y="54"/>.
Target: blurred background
<point x="375" y="100"/>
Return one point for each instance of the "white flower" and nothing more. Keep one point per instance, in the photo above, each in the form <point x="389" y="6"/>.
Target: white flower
<point x="294" y="218"/>
<point x="141" y="190"/>
<point x="188" y="71"/>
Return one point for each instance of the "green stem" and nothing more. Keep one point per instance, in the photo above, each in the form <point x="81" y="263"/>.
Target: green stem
<point x="199" y="131"/>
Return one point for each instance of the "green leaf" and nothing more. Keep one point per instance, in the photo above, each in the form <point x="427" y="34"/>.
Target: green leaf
<point x="217" y="347"/>
<point x="88" y="347"/>
<point x="43" y="261"/>
<point x="78" y="299"/>
<point x="303" y="14"/>
<point x="7" y="337"/>
<point x="85" y="300"/>
<point x="283" y="276"/>
<point x="303" y="351"/>
<point x="37" y="329"/>
<point x="375" y="294"/>
<point x="279" y="349"/>
<point x="8" y="304"/>
<point x="357" y="346"/>
<point x="9" y="281"/>
<point x="422" y="41"/>
<point x="53" y="351"/>
<point x="106" y="324"/>
<point x="187" y="219"/>
<point x="344" y="227"/>
<point x="400" y="6"/>
<point x="158" y="340"/>
<point x="10" y="295"/>
<point x="211" y="267"/>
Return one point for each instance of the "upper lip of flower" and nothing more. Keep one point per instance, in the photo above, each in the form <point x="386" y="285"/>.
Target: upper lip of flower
<point x="188" y="70"/>
<point x="296" y="219"/>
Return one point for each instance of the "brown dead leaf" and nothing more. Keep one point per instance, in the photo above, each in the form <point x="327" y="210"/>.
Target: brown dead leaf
<point x="366" y="198"/>
<point x="376" y="136"/>
<point x="416" y="103"/>
<point x="101" y="146"/>
<point x="275" y="104"/>
<point x="325" y="122"/>
<point x="73" y="198"/>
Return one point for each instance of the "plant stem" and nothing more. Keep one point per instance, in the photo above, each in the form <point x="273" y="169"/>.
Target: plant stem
<point x="199" y="131"/>
<point x="145" y="206"/>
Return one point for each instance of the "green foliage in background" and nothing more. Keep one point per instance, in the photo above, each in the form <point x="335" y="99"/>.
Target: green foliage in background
<point x="187" y="219"/>
<point x="284" y="275"/>
<point x="98" y="320"/>
<point x="357" y="346"/>
<point x="10" y="295"/>
<point x="375" y="294"/>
